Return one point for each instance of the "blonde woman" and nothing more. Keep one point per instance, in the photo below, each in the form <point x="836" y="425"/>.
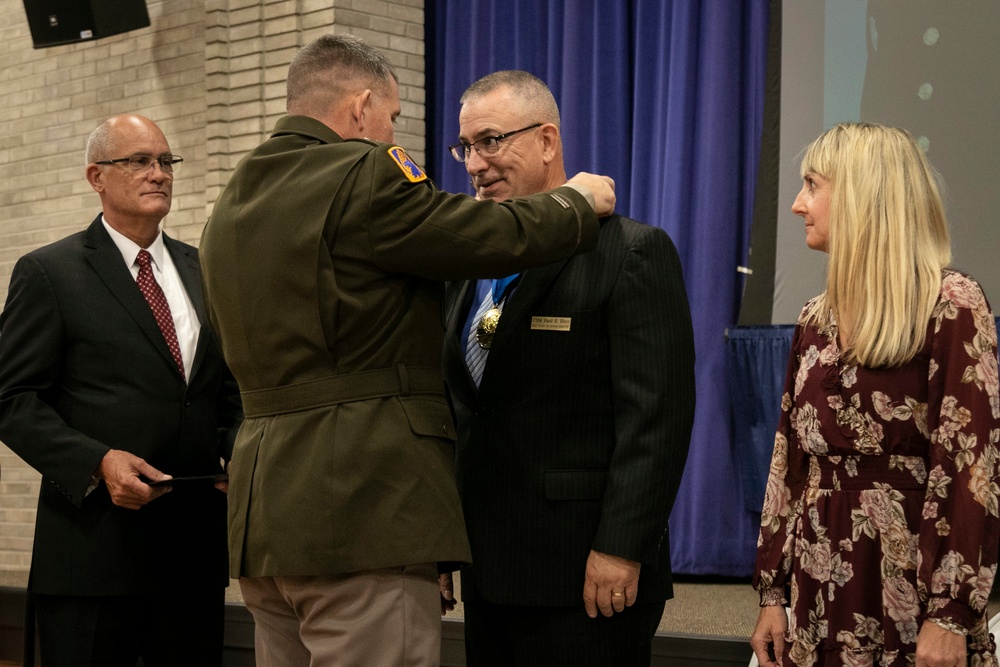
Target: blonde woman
<point x="880" y="521"/>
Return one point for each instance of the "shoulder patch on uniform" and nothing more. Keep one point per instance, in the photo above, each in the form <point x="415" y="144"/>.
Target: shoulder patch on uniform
<point x="407" y="165"/>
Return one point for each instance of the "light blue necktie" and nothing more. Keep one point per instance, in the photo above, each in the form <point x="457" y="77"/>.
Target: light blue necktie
<point x="475" y="355"/>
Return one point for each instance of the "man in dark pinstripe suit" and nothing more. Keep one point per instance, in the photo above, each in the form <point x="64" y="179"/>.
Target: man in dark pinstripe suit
<point x="573" y="386"/>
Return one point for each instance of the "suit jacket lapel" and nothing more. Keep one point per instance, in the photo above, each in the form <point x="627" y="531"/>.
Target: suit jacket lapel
<point x="190" y="273"/>
<point x="106" y="260"/>
<point x="518" y="311"/>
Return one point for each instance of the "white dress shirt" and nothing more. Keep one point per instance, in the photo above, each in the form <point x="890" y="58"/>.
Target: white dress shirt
<point x="185" y="318"/>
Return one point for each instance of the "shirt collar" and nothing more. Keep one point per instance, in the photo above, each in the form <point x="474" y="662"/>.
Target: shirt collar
<point x="130" y="249"/>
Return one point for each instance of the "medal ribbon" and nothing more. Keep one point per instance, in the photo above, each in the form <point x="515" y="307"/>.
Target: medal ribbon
<point x="501" y="287"/>
<point x="487" y="324"/>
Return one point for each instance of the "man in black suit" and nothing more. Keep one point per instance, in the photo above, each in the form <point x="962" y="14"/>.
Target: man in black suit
<point x="571" y="448"/>
<point x="110" y="379"/>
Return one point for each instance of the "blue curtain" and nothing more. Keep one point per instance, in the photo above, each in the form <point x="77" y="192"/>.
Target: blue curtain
<point x="758" y="361"/>
<point x="665" y="96"/>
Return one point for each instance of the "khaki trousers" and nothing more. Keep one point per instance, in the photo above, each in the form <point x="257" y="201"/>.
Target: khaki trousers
<point x="389" y="617"/>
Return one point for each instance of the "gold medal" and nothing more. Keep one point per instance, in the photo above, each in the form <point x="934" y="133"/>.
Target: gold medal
<point x="487" y="327"/>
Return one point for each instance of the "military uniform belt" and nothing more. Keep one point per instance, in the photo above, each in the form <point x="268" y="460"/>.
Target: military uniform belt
<point x="363" y="385"/>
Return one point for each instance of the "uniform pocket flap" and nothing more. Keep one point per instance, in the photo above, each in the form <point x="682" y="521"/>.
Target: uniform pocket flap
<point x="428" y="416"/>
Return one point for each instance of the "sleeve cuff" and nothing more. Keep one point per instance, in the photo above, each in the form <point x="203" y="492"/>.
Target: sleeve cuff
<point x="951" y="615"/>
<point x="949" y="625"/>
<point x="773" y="597"/>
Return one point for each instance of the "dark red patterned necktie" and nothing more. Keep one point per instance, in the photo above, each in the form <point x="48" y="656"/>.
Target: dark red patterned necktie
<point x="158" y="302"/>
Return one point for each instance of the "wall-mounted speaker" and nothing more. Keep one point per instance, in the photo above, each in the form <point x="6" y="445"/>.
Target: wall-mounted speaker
<point x="55" y="22"/>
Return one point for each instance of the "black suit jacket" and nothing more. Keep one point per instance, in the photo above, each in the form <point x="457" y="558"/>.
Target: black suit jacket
<point x="576" y="439"/>
<point x="84" y="368"/>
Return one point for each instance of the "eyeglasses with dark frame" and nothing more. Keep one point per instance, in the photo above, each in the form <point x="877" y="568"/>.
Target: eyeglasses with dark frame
<point x="486" y="145"/>
<point x="139" y="163"/>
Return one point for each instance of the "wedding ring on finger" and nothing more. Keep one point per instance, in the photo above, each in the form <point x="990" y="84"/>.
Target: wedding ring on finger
<point x="617" y="594"/>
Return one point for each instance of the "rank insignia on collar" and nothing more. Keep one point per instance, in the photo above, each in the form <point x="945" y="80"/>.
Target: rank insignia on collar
<point x="410" y="169"/>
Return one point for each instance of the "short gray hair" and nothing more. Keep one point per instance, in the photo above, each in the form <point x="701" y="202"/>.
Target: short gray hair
<point x="100" y="142"/>
<point x="320" y="72"/>
<point x="534" y="98"/>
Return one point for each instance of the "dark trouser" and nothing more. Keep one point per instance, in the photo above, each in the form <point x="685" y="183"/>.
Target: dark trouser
<point x="507" y="636"/>
<point x="166" y="629"/>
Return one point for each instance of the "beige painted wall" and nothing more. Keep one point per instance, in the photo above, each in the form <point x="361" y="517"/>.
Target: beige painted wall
<point x="211" y="73"/>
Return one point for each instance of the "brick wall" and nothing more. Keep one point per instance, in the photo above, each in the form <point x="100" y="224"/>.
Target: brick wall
<point x="211" y="74"/>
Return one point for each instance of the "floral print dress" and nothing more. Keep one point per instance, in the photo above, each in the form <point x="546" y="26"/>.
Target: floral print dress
<point x="882" y="500"/>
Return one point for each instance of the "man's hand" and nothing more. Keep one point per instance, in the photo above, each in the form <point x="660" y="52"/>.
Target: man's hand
<point x="599" y="191"/>
<point x="769" y="636"/>
<point x="610" y="585"/>
<point x="937" y="647"/>
<point x="224" y="486"/>
<point x="120" y="471"/>
<point x="447" y="592"/>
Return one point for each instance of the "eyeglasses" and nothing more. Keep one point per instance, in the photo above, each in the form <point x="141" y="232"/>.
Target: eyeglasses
<point x="485" y="146"/>
<point x="140" y="163"/>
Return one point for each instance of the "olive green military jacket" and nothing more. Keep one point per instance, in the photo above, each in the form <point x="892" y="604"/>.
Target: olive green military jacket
<point x="323" y="263"/>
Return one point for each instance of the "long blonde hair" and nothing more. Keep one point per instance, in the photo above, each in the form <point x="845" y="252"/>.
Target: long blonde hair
<point x="887" y="241"/>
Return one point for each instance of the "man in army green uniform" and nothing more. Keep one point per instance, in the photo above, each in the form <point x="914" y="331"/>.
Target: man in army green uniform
<point x="323" y="264"/>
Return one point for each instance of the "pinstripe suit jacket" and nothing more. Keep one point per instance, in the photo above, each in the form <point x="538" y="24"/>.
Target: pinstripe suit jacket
<point x="576" y="439"/>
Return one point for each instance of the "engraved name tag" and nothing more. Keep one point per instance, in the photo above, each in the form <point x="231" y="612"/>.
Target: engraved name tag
<point x="550" y="323"/>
